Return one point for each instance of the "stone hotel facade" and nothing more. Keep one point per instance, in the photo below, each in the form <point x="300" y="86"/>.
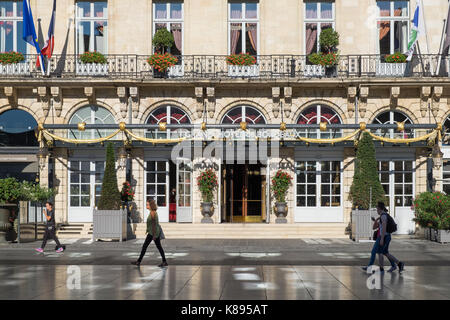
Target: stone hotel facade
<point x="282" y="88"/>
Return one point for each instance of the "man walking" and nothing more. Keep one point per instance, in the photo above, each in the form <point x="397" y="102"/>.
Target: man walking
<point x="50" y="229"/>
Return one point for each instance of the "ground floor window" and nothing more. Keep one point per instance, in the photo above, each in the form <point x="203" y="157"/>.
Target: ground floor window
<point x="318" y="183"/>
<point x="396" y="177"/>
<point x="85" y="180"/>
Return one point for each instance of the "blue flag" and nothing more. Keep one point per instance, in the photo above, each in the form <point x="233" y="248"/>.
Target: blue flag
<point x="29" y="32"/>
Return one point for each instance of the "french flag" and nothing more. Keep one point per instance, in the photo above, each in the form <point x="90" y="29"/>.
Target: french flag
<point x="47" y="50"/>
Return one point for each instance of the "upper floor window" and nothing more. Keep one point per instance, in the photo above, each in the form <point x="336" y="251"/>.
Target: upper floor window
<point x="11" y="24"/>
<point x="169" y="15"/>
<point x="92" y="26"/>
<point x="318" y="16"/>
<point x="393" y="25"/>
<point x="170" y="115"/>
<point x="315" y="115"/>
<point x="243" y="26"/>
<point x="392" y="117"/>
<point x="91" y="114"/>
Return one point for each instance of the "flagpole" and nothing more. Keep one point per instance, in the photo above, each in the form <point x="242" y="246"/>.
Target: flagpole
<point x="425" y="25"/>
<point x="441" y="47"/>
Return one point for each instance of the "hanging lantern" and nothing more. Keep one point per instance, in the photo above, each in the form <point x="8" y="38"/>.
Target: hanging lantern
<point x="42" y="157"/>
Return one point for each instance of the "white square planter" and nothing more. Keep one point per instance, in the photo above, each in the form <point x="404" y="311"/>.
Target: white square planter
<point x="15" y="69"/>
<point x="314" y="70"/>
<point x="243" y="71"/>
<point x="176" y="71"/>
<point x="433" y="234"/>
<point x="390" y="69"/>
<point x="443" y="236"/>
<point x="92" y="69"/>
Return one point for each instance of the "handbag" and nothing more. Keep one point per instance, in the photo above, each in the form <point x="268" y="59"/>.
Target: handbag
<point x="161" y="233"/>
<point x="375" y="235"/>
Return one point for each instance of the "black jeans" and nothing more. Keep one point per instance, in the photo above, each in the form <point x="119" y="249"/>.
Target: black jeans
<point x="50" y="234"/>
<point x="145" y="246"/>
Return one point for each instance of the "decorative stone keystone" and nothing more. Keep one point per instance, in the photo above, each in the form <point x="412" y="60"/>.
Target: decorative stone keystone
<point x="211" y="106"/>
<point x="89" y="92"/>
<point x="199" y="98"/>
<point x="11" y="94"/>
<point x="351" y="94"/>
<point x="43" y="98"/>
<point x="56" y="93"/>
<point x="425" y="93"/>
<point x="276" y="101"/>
<point x="363" y="95"/>
<point x="135" y="100"/>
<point x="395" y="93"/>
<point x="287" y="101"/>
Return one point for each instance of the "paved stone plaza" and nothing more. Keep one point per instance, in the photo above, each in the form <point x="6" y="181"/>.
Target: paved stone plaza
<point x="305" y="269"/>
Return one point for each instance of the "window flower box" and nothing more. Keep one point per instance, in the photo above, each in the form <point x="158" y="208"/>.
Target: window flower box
<point x="164" y="65"/>
<point x="242" y="65"/>
<point x="92" y="64"/>
<point x="243" y="71"/>
<point x="394" y="65"/>
<point x="15" y="69"/>
<point x="91" y="69"/>
<point x="13" y="63"/>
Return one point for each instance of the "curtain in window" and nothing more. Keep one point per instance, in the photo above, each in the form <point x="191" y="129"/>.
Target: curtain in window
<point x="327" y="11"/>
<point x="385" y="26"/>
<point x="252" y="34"/>
<point x="176" y="31"/>
<point x="235" y="33"/>
<point x="175" y="11"/>
<point x="311" y="11"/>
<point x="311" y="37"/>
<point x="161" y="11"/>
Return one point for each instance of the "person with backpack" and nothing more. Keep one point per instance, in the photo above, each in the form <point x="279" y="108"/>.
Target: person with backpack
<point x="387" y="226"/>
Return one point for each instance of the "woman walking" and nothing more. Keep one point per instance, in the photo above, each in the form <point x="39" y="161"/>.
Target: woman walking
<point x="153" y="233"/>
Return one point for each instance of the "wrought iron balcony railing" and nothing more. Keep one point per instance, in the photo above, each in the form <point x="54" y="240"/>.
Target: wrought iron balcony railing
<point x="216" y="67"/>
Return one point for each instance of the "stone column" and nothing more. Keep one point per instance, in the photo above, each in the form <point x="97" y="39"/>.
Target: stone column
<point x="137" y="183"/>
<point x="421" y="171"/>
<point x="61" y="184"/>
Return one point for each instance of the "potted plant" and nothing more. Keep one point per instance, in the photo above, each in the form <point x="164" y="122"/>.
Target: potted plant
<point x="11" y="63"/>
<point x="280" y="186"/>
<point x="11" y="192"/>
<point x="207" y="184"/>
<point x="242" y="65"/>
<point x="92" y="64"/>
<point x="432" y="212"/>
<point x="163" y="63"/>
<point x="110" y="220"/>
<point x="394" y="65"/>
<point x="366" y="190"/>
<point x="325" y="62"/>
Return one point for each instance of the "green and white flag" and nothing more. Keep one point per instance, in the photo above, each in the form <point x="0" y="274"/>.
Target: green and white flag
<point x="418" y="29"/>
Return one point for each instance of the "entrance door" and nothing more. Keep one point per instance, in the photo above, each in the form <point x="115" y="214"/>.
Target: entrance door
<point x="397" y="180"/>
<point x="244" y="188"/>
<point x="157" y="187"/>
<point x="85" y="188"/>
<point x="184" y="190"/>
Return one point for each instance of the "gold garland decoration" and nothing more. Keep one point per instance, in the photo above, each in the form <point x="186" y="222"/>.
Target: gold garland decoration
<point x="154" y="140"/>
<point x="407" y="140"/>
<point x="77" y="141"/>
<point x="332" y="141"/>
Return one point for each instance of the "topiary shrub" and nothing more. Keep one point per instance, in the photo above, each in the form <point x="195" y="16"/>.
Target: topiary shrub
<point x="162" y="40"/>
<point x="329" y="40"/>
<point x="366" y="176"/>
<point x="110" y="198"/>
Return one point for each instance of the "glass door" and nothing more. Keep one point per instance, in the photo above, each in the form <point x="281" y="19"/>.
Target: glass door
<point x="157" y="188"/>
<point x="184" y="190"/>
<point x="85" y="187"/>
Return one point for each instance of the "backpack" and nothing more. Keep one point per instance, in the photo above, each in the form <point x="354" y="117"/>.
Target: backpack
<point x="391" y="226"/>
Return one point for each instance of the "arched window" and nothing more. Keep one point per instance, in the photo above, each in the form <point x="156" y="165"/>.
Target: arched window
<point x="246" y="114"/>
<point x="17" y="129"/>
<point x="170" y="115"/>
<point x="315" y="115"/>
<point x="392" y="117"/>
<point x="91" y="114"/>
<point x="446" y="135"/>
